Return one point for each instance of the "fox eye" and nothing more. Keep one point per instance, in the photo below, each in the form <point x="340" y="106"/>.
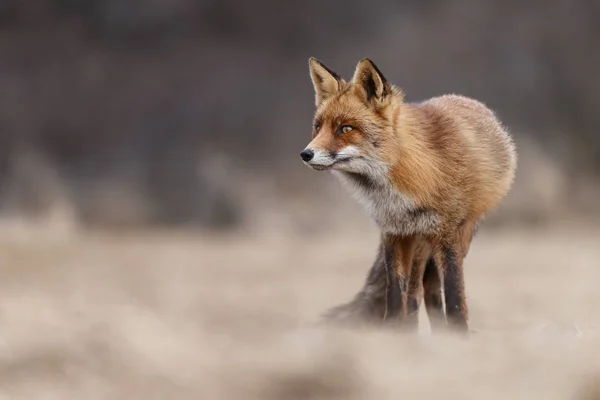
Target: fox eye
<point x="317" y="127"/>
<point x="346" y="129"/>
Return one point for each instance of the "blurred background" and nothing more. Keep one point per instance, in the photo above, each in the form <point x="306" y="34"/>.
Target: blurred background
<point x="160" y="236"/>
<point x="187" y="113"/>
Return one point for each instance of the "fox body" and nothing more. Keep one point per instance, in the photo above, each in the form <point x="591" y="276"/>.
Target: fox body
<point x="425" y="172"/>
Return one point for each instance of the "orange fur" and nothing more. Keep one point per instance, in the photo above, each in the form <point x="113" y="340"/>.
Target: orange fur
<point x="426" y="172"/>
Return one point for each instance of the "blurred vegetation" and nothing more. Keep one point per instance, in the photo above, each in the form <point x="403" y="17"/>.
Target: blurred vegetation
<point x="143" y="111"/>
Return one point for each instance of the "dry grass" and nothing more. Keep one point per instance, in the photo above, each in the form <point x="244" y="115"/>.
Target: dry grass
<point x="169" y="315"/>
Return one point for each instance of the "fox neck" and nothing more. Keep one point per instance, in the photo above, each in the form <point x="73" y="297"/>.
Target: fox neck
<point x="394" y="211"/>
<point x="405" y="160"/>
<point x="413" y="167"/>
<point x="396" y="190"/>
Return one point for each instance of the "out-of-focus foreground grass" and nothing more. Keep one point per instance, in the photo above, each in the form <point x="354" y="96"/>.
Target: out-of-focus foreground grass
<point x="172" y="315"/>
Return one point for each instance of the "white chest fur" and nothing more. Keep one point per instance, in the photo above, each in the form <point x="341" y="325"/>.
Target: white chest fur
<point x="394" y="212"/>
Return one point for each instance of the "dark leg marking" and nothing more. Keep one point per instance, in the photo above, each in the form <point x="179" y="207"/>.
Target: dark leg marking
<point x="394" y="290"/>
<point x="454" y="291"/>
<point x="432" y="288"/>
<point x="413" y="305"/>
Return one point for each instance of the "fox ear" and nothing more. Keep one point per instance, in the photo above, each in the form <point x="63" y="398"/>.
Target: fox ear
<point x="369" y="81"/>
<point x="325" y="81"/>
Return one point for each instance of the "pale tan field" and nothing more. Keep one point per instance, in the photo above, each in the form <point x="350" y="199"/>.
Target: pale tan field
<point x="174" y="316"/>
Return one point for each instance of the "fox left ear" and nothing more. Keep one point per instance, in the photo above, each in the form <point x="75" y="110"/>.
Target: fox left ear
<point x="325" y="81"/>
<point x="369" y="81"/>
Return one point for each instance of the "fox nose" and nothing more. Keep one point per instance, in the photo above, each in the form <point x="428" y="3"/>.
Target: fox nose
<point x="307" y="155"/>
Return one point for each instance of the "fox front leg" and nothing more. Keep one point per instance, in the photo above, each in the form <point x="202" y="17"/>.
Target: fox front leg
<point x="421" y="255"/>
<point x="454" y="290"/>
<point x="452" y="254"/>
<point x="432" y="288"/>
<point x="398" y="256"/>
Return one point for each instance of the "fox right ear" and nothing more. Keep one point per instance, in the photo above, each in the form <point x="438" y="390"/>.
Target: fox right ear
<point x="370" y="82"/>
<point x="325" y="81"/>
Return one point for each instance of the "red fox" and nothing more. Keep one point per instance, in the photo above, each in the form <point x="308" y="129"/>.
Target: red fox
<point x="426" y="173"/>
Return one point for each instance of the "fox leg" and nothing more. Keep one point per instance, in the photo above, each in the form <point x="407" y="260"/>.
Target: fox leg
<point x="398" y="262"/>
<point x="454" y="289"/>
<point x="415" y="294"/>
<point x="370" y="303"/>
<point x="415" y="286"/>
<point x="452" y="256"/>
<point x="380" y="297"/>
<point x="432" y="294"/>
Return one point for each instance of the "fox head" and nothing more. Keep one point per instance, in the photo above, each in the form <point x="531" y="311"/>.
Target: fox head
<point x="353" y="120"/>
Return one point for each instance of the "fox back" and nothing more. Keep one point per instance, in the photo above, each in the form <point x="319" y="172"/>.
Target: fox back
<point x="417" y="168"/>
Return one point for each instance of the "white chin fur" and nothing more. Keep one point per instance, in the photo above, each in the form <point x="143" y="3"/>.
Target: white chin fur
<point x="388" y="207"/>
<point x="342" y="161"/>
<point x="321" y="159"/>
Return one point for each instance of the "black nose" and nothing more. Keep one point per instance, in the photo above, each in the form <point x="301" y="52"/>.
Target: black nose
<point x="307" y="155"/>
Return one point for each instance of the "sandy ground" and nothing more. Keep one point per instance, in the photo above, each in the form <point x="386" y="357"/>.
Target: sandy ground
<point x="177" y="316"/>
